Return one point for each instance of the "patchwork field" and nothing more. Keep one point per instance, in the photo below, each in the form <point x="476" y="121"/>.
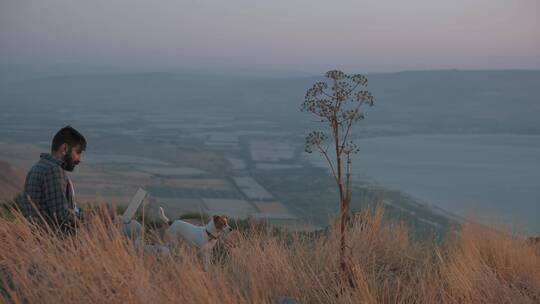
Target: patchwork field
<point x="202" y="183"/>
<point x="230" y="207"/>
<point x="252" y="189"/>
<point x="171" y="171"/>
<point x="271" y="151"/>
<point x="273" y="210"/>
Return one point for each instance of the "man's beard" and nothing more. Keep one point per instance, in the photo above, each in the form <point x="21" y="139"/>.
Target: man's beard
<point x="68" y="164"/>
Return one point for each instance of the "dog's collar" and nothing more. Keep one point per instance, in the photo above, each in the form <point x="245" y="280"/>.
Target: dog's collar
<point x="210" y="235"/>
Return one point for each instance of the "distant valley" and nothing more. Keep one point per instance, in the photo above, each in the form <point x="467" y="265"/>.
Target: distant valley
<point x="188" y="138"/>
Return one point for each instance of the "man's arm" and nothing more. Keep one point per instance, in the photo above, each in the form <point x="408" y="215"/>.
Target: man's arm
<point x="56" y="203"/>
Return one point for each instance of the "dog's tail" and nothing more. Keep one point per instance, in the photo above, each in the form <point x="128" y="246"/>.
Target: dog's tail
<point x="163" y="217"/>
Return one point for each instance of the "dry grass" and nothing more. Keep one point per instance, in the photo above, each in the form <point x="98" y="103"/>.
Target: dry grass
<point x="99" y="265"/>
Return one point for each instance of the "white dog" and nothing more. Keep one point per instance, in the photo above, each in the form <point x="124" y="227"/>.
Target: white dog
<point x="203" y="237"/>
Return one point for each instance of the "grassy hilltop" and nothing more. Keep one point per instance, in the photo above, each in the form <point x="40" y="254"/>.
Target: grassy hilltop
<point x="260" y="265"/>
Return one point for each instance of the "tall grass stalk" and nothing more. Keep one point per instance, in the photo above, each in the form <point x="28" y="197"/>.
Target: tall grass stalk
<point x="258" y="265"/>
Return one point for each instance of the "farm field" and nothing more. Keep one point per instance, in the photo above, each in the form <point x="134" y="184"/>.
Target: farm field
<point x="205" y="164"/>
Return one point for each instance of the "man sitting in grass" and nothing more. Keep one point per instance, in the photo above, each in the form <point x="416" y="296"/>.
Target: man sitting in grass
<point x="48" y="190"/>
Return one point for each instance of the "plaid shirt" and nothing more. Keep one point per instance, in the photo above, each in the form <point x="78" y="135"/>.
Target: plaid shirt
<point x="50" y="189"/>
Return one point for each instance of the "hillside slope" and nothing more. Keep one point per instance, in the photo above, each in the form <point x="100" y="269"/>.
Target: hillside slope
<point x="11" y="180"/>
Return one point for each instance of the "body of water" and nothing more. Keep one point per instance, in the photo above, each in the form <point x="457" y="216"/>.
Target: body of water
<point x="492" y="177"/>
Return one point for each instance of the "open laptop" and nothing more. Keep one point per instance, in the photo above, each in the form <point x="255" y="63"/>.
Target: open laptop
<point x="135" y="203"/>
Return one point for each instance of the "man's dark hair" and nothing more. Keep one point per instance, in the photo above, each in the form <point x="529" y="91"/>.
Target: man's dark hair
<point x="69" y="136"/>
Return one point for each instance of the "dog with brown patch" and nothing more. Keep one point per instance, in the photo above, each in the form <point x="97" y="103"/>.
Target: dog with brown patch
<point x="203" y="237"/>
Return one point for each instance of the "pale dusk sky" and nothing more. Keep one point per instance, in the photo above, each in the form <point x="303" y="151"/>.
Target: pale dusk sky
<point x="304" y="35"/>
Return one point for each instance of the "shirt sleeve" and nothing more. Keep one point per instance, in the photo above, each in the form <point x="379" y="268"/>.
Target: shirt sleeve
<point x="56" y="203"/>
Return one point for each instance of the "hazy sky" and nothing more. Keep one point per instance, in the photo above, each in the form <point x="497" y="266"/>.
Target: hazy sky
<point x="307" y="35"/>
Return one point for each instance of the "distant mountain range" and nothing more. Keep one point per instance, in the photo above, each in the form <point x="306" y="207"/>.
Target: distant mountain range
<point x="422" y="101"/>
